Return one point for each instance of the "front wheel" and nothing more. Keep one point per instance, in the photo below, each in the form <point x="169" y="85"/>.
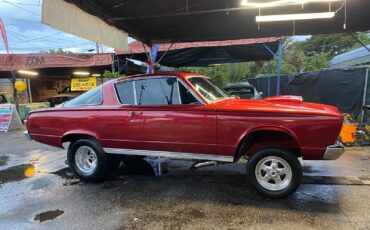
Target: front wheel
<point x="274" y="172"/>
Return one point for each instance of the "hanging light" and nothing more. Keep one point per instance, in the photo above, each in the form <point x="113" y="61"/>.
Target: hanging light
<point x="294" y="17"/>
<point x="249" y="3"/>
<point x="28" y="72"/>
<point x="81" y="73"/>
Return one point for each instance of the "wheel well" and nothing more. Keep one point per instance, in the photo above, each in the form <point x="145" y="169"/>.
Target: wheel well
<point x="73" y="137"/>
<point x="266" y="138"/>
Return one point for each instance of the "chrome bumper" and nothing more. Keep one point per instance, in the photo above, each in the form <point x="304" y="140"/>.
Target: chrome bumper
<point x="27" y="135"/>
<point x="333" y="152"/>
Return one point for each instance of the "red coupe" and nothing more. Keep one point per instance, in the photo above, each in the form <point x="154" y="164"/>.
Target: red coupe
<point x="186" y="116"/>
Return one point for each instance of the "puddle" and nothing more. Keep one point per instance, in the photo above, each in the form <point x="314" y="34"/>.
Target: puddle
<point x="72" y="182"/>
<point x="65" y="173"/>
<point x="133" y="167"/>
<point x="49" y="215"/>
<point x="3" y="160"/>
<point x="17" y="173"/>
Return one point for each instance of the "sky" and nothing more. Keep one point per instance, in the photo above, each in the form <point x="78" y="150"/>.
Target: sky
<point x="26" y="33"/>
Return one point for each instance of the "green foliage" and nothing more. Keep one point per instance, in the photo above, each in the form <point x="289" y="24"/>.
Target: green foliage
<point x="332" y="44"/>
<point x="311" y="54"/>
<point x="316" y="62"/>
<point x="109" y="74"/>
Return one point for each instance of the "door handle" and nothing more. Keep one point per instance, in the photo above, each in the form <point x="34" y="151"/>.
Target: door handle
<point x="133" y="113"/>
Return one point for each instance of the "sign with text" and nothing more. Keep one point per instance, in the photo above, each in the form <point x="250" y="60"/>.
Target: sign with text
<point x="83" y="83"/>
<point x="6" y="111"/>
<point x="10" y="62"/>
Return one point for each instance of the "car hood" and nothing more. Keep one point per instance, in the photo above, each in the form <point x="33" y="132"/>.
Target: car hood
<point x="278" y="104"/>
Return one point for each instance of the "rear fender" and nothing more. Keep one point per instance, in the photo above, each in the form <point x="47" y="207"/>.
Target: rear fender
<point x="73" y="133"/>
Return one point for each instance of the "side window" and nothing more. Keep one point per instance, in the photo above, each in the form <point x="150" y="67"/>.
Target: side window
<point x="125" y="92"/>
<point x="187" y="97"/>
<point x="92" y="97"/>
<point x="157" y="91"/>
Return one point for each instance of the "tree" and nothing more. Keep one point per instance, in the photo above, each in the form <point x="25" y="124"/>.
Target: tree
<point x="316" y="62"/>
<point x="109" y="74"/>
<point x="332" y="44"/>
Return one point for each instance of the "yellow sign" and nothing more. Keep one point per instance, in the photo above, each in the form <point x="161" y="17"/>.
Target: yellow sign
<point x="83" y="83"/>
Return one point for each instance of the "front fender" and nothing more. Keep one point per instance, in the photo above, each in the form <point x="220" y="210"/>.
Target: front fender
<point x="268" y="128"/>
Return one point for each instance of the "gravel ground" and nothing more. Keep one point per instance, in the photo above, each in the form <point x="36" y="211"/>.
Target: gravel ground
<point x="37" y="191"/>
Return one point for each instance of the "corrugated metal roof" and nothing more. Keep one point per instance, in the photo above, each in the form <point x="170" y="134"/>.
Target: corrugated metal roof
<point x="354" y="57"/>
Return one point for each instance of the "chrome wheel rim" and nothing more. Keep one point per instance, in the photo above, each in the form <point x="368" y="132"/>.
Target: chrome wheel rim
<point x="273" y="173"/>
<point x="86" y="160"/>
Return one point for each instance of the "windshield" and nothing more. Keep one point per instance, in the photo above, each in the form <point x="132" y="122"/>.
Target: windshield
<point x="208" y="89"/>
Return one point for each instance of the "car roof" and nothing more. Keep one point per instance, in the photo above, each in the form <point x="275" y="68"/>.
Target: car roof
<point x="177" y="74"/>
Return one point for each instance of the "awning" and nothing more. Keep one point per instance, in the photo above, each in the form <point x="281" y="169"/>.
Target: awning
<point x="206" y="53"/>
<point x="166" y="21"/>
<point x="33" y="61"/>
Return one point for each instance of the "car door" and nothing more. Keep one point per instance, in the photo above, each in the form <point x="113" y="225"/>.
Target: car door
<point x="166" y="118"/>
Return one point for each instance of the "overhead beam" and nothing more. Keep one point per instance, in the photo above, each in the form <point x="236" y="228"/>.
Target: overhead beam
<point x="82" y="24"/>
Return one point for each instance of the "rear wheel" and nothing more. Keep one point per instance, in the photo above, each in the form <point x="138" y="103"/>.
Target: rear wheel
<point x="87" y="160"/>
<point x="274" y="172"/>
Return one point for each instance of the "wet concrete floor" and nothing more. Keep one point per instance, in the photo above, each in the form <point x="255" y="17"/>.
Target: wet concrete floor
<point x="37" y="191"/>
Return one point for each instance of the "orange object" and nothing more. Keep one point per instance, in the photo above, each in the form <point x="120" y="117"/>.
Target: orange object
<point x="348" y="132"/>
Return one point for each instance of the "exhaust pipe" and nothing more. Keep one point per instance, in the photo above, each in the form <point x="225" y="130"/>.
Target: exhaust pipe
<point x="201" y="164"/>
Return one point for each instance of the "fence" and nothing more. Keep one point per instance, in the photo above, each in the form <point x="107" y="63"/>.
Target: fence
<point x="343" y="88"/>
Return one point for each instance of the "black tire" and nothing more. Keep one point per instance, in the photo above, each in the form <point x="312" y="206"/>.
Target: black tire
<point x="276" y="153"/>
<point x="101" y="169"/>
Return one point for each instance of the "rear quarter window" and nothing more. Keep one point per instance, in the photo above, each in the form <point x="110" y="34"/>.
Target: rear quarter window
<point x="125" y="92"/>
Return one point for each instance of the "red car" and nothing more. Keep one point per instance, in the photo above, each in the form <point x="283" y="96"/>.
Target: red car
<point x="186" y="116"/>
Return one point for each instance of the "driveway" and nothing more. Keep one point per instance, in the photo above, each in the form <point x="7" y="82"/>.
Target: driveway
<point x="37" y="191"/>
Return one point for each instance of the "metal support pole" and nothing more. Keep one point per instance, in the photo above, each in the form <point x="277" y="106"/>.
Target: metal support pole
<point x="150" y="68"/>
<point x="164" y="54"/>
<point x="15" y="93"/>
<point x="365" y="95"/>
<point x="269" y="50"/>
<point x="29" y="90"/>
<point x="97" y="47"/>
<point x="269" y="67"/>
<point x="268" y="78"/>
<point x="113" y="60"/>
<point x="279" y="69"/>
